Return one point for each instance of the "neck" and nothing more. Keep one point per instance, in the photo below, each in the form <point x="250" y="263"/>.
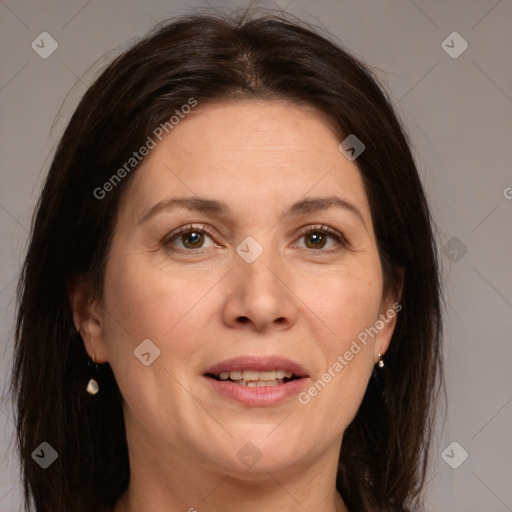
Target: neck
<point x="176" y="482"/>
<point x="230" y="496"/>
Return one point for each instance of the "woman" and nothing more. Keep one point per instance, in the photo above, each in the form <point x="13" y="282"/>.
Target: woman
<point x="231" y="298"/>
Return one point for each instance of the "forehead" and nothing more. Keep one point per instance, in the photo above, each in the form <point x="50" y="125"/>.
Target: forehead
<point x="231" y="149"/>
<point x="244" y="125"/>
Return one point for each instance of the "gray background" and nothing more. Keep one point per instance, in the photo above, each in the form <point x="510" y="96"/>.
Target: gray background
<point x="458" y="114"/>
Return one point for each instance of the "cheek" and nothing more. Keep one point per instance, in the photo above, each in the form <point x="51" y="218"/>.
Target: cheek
<point x="346" y="302"/>
<point x="346" y="359"/>
<point x="144" y="302"/>
<point x="148" y="302"/>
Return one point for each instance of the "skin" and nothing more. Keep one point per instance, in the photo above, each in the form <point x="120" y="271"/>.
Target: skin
<point x="298" y="299"/>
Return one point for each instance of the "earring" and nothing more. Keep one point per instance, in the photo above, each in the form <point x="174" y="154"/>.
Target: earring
<point x="380" y="362"/>
<point x="92" y="385"/>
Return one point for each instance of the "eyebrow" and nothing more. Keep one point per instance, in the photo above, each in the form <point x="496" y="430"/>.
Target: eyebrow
<point x="219" y="208"/>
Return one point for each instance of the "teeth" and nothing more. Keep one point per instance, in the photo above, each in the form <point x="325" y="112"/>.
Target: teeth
<point x="235" y="375"/>
<point x="259" y="383"/>
<point x="251" y="375"/>
<point x="269" y="375"/>
<point x="254" y="375"/>
<point x="254" y="378"/>
<point x="268" y="383"/>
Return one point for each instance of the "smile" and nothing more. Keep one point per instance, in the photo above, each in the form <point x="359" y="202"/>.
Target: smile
<point x="255" y="378"/>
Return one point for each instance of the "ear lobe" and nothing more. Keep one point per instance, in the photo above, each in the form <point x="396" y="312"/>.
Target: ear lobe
<point x="390" y="308"/>
<point x="394" y="292"/>
<point x="87" y="317"/>
<point x="386" y="324"/>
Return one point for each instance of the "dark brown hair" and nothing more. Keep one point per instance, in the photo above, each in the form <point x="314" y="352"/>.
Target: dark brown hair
<point x="383" y="457"/>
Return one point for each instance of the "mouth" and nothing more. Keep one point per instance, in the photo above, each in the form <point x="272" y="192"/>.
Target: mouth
<point x="257" y="381"/>
<point x="255" y="378"/>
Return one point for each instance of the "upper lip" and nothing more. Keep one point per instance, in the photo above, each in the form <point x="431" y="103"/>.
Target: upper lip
<point x="258" y="363"/>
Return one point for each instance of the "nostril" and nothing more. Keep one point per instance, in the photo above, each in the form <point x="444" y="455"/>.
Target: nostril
<point x="243" y="319"/>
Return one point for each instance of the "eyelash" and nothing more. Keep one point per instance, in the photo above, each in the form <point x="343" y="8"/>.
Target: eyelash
<point x="319" y="228"/>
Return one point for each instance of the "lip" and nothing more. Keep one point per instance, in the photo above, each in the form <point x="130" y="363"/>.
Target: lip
<point x="259" y="364"/>
<point x="260" y="396"/>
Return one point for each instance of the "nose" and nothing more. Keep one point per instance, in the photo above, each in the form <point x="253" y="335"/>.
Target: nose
<point x="261" y="295"/>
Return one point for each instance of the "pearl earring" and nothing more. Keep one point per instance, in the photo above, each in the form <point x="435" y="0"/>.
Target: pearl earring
<point x="380" y="362"/>
<point x="92" y="385"/>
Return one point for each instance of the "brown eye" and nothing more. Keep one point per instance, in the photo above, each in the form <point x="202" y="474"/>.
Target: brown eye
<point x="188" y="239"/>
<point x="322" y="238"/>
<point x="315" y="240"/>
<point x="192" y="239"/>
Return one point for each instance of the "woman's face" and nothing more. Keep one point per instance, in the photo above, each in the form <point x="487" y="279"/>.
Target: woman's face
<point x="250" y="285"/>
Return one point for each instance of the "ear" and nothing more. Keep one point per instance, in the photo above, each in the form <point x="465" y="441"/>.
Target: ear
<point x="87" y="317"/>
<point x="389" y="309"/>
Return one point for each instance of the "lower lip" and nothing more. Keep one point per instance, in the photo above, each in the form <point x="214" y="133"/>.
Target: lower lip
<point x="266" y="395"/>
